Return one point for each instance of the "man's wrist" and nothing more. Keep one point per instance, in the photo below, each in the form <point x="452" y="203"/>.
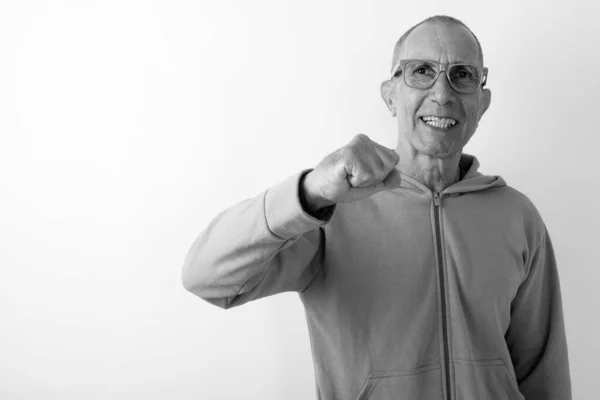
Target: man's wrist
<point x="312" y="203"/>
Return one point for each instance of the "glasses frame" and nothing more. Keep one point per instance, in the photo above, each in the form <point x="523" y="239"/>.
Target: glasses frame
<point x="401" y="65"/>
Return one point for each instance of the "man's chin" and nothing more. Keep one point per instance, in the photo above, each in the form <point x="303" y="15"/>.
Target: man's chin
<point x="437" y="147"/>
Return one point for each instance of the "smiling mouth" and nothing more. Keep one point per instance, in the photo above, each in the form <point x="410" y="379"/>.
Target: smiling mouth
<point x="439" y="122"/>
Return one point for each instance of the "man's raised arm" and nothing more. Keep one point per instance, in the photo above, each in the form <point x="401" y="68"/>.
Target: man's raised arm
<point x="264" y="245"/>
<point x="274" y="242"/>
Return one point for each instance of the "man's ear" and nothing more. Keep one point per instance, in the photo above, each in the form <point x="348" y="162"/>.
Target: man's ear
<point x="387" y="94"/>
<point x="485" y="102"/>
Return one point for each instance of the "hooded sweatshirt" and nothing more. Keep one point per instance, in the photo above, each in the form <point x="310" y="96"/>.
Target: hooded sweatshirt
<point x="409" y="293"/>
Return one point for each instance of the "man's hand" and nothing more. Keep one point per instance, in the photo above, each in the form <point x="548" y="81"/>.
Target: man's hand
<point x="353" y="172"/>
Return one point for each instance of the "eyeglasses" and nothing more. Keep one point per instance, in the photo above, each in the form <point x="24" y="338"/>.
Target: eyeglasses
<point x="422" y="74"/>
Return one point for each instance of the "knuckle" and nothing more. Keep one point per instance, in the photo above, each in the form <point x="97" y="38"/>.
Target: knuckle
<point x="365" y="176"/>
<point x="361" y="137"/>
<point x="381" y="164"/>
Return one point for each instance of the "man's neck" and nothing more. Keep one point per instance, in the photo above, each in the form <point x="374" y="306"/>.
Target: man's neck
<point x="435" y="173"/>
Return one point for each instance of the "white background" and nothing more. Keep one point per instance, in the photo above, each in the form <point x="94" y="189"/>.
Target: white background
<point x="126" y="126"/>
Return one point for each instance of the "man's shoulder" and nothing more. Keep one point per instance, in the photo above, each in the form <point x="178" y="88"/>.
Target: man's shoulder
<point x="516" y="198"/>
<point x="519" y="205"/>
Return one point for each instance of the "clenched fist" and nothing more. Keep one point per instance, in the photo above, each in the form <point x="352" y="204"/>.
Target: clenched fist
<point x="353" y="172"/>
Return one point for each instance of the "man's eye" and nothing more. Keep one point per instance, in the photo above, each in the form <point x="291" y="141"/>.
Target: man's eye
<point x="464" y="74"/>
<point x="421" y="70"/>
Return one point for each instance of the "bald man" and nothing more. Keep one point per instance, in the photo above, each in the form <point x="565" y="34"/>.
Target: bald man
<point x="421" y="277"/>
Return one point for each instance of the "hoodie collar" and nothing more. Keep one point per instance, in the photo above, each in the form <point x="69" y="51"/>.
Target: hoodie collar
<point x="472" y="181"/>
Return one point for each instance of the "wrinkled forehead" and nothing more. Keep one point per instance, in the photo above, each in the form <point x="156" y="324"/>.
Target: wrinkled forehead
<point x="442" y="42"/>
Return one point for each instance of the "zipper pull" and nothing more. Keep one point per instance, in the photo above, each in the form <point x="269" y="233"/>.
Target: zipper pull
<point x="437" y="200"/>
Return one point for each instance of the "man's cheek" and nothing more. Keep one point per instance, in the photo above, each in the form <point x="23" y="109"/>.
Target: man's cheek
<point x="410" y="117"/>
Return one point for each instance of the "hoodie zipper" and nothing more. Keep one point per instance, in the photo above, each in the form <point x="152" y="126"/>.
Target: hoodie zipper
<point x="437" y="201"/>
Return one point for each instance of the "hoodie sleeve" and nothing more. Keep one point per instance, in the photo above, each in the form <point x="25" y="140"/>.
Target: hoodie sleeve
<point x="259" y="247"/>
<point x="536" y="336"/>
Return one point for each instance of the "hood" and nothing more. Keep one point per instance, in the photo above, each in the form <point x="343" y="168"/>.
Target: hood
<point x="472" y="181"/>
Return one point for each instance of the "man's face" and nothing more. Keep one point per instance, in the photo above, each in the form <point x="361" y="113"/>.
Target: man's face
<point x="444" y="43"/>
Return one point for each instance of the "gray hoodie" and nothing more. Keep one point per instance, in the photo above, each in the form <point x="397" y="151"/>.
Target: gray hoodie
<point x="408" y="294"/>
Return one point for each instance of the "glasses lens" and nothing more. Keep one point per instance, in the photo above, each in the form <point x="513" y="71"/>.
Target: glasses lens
<point x="464" y="78"/>
<point x="420" y="74"/>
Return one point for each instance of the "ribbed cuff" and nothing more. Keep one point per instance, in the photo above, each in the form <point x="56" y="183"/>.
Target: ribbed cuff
<point x="285" y="216"/>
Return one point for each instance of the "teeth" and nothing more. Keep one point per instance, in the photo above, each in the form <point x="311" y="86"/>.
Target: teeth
<point x="439" y="122"/>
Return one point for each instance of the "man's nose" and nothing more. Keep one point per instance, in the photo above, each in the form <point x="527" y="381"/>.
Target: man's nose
<point x="441" y="92"/>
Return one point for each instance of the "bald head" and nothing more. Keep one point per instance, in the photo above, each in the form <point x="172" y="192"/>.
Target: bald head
<point x="441" y="19"/>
